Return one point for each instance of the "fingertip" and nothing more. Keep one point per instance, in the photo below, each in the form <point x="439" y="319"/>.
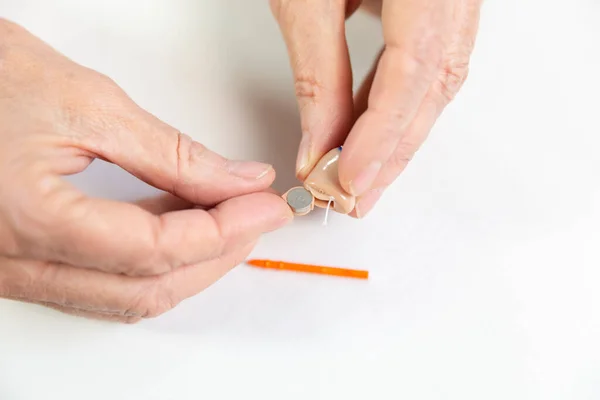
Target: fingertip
<point x="263" y="211"/>
<point x="369" y="145"/>
<point x="364" y="179"/>
<point x="279" y="208"/>
<point x="366" y="202"/>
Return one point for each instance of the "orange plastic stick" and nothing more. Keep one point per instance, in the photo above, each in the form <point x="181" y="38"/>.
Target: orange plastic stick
<point x="314" y="269"/>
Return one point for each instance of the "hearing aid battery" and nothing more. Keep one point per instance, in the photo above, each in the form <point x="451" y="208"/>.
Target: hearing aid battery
<point x="300" y="200"/>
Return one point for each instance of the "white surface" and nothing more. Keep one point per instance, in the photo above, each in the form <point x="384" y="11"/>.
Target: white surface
<point x="485" y="255"/>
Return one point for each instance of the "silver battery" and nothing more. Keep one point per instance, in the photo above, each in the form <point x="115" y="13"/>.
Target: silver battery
<point x="300" y="200"/>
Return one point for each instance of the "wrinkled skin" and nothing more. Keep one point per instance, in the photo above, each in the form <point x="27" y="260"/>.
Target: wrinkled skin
<point x="423" y="65"/>
<point x="122" y="261"/>
<point x="101" y="258"/>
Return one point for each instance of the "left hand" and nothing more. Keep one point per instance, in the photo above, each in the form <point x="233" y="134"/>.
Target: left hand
<point x="423" y="65"/>
<point x="97" y="257"/>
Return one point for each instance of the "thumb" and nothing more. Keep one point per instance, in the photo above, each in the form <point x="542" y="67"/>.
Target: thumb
<point x="314" y="32"/>
<point x="167" y="159"/>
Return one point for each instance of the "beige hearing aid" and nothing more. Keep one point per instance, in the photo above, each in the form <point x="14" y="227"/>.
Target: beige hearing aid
<point x="321" y="188"/>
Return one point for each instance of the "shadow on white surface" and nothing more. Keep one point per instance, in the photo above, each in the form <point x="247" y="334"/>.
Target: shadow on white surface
<point x="276" y="130"/>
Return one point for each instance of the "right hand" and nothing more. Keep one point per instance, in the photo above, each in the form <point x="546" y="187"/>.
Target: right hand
<point x="102" y="258"/>
<point x="422" y="66"/>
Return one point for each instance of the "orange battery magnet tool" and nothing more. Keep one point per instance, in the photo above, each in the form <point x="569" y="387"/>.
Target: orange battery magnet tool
<point x="313" y="269"/>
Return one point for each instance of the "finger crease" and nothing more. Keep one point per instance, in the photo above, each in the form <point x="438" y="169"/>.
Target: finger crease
<point x="220" y="240"/>
<point x="307" y="87"/>
<point x="178" y="162"/>
<point x="158" y="247"/>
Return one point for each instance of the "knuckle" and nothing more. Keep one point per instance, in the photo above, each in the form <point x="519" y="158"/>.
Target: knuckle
<point x="181" y="161"/>
<point x="104" y="80"/>
<point x="157" y="262"/>
<point x="422" y="56"/>
<point x="400" y="117"/>
<point x="392" y="119"/>
<point x="307" y="87"/>
<point x="186" y="152"/>
<point x="162" y="259"/>
<point x="400" y="159"/>
<point x="82" y="78"/>
<point x="428" y="52"/>
<point x="92" y="117"/>
<point x="218" y="239"/>
<point x="451" y="79"/>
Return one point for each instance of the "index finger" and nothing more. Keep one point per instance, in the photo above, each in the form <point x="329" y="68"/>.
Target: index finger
<point x="123" y="238"/>
<point x="315" y="36"/>
<point x="407" y="67"/>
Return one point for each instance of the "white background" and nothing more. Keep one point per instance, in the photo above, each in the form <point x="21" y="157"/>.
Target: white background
<point x="484" y="256"/>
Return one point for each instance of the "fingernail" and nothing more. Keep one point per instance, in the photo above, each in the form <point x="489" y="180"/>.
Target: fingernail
<point x="367" y="201"/>
<point x="303" y="156"/>
<point x="248" y="169"/>
<point x="365" y="179"/>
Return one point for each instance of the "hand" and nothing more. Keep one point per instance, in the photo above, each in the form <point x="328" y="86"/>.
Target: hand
<point x="421" y="68"/>
<point x="102" y="258"/>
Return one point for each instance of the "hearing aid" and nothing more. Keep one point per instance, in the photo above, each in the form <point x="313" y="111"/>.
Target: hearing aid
<point x="321" y="188"/>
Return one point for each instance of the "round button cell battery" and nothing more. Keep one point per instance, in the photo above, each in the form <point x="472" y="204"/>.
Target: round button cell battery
<point x="300" y="200"/>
